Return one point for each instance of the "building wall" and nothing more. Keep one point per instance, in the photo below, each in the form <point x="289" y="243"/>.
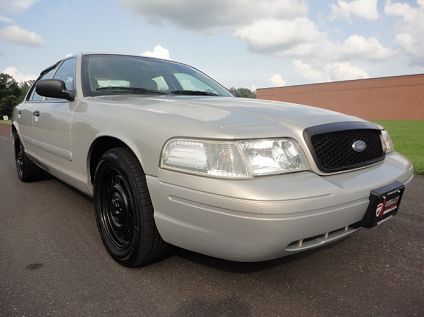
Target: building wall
<point x="385" y="98"/>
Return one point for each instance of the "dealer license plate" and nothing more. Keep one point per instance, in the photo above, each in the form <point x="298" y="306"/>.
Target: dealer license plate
<point x="384" y="203"/>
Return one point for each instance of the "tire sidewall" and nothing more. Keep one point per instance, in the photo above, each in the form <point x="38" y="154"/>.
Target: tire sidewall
<point x="19" y="169"/>
<point x="108" y="161"/>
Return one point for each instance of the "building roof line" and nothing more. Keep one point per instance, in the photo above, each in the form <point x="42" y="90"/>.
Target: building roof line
<point x="346" y="81"/>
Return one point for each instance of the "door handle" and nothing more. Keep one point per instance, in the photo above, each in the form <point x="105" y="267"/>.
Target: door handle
<point x="36" y="113"/>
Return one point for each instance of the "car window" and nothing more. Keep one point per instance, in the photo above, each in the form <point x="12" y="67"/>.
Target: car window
<point x="66" y="72"/>
<point x="33" y="94"/>
<point x="104" y="74"/>
<point x="189" y="82"/>
<point x="161" y="83"/>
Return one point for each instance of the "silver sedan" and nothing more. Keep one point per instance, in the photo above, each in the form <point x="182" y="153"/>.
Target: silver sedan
<point x="171" y="157"/>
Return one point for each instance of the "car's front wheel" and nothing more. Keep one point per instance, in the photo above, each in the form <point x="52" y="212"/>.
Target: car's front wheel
<point x="124" y="211"/>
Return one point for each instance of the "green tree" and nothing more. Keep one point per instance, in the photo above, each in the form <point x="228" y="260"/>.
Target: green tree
<point x="8" y="86"/>
<point x="246" y="93"/>
<point x="10" y="94"/>
<point x="243" y="92"/>
<point x="25" y="86"/>
<point x="7" y="104"/>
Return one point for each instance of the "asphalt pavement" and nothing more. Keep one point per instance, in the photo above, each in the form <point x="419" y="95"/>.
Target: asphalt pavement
<point x="52" y="262"/>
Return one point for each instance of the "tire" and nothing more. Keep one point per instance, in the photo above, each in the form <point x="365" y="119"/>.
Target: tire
<point x="124" y="211"/>
<point x="26" y="169"/>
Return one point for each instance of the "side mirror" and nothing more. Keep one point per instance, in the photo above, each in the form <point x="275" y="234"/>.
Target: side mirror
<point x="54" y="88"/>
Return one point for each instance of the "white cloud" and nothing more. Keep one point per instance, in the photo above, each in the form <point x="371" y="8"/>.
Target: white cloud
<point x="365" y="9"/>
<point x="369" y="48"/>
<point x="329" y="72"/>
<point x="310" y="73"/>
<point x="158" y="52"/>
<point x="16" y="34"/>
<point x="277" y="81"/>
<point x="300" y="38"/>
<point x="399" y="9"/>
<point x="207" y="15"/>
<point x="17" y="75"/>
<point x="15" y="6"/>
<point x="410" y="28"/>
<point x="274" y="35"/>
<point x="5" y="19"/>
<point x="344" y="71"/>
<point x="283" y="29"/>
<point x="407" y="42"/>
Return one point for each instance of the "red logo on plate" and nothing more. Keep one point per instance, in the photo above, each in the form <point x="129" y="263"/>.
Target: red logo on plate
<point x="379" y="210"/>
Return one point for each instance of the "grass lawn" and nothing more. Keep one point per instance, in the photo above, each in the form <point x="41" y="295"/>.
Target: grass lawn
<point x="408" y="137"/>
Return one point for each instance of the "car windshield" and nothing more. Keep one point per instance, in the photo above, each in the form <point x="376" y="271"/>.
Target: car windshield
<point x="121" y="74"/>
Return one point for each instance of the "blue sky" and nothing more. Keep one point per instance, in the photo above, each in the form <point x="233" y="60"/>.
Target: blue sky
<point x="241" y="43"/>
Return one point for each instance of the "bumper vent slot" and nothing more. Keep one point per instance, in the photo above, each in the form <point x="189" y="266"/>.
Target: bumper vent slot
<point x="315" y="241"/>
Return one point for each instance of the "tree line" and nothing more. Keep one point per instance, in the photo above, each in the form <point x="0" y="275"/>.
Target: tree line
<point x="11" y="93"/>
<point x="243" y="92"/>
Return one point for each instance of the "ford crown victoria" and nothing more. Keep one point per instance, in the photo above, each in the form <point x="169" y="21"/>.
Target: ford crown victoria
<point x="171" y="157"/>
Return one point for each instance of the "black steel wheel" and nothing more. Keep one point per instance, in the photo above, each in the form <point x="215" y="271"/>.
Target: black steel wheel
<point x="117" y="209"/>
<point x="27" y="171"/>
<point x="124" y="212"/>
<point x="19" y="158"/>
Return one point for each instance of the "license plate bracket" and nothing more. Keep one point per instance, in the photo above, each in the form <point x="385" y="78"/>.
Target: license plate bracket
<point x="384" y="203"/>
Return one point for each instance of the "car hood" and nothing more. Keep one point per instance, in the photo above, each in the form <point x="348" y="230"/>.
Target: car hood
<point x="240" y="117"/>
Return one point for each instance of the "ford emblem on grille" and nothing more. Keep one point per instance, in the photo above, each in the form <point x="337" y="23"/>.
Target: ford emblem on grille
<point x="359" y="146"/>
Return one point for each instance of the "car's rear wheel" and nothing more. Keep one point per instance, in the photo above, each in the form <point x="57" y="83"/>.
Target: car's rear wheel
<point x="26" y="169"/>
<point x="124" y="211"/>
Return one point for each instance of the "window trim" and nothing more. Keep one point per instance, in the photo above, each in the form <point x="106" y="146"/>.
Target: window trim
<point x="42" y="73"/>
<point x="75" y="69"/>
<point x="45" y="71"/>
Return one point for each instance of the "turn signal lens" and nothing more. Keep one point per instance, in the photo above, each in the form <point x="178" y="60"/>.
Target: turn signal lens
<point x="209" y="158"/>
<point x="388" y="145"/>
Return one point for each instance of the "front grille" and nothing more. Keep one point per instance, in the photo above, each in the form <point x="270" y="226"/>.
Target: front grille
<point x="333" y="150"/>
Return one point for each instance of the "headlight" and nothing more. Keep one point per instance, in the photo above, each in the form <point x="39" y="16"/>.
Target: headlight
<point x="273" y="156"/>
<point x="233" y="159"/>
<point x="388" y="145"/>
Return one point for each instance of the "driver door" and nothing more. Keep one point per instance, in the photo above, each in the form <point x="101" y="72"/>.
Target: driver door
<point x="51" y="124"/>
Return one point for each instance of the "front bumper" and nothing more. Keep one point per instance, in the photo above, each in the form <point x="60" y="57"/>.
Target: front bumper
<point x="266" y="217"/>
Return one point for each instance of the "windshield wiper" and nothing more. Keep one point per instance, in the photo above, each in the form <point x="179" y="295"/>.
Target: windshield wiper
<point x="135" y="90"/>
<point x="193" y="93"/>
